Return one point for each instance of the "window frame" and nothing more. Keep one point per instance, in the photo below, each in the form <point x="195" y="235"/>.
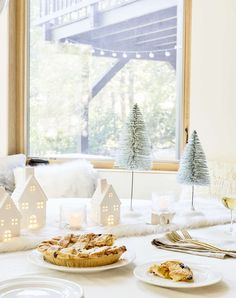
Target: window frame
<point x="18" y="66"/>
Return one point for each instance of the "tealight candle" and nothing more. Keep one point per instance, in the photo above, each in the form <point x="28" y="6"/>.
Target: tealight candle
<point x="75" y="220"/>
<point x="163" y="203"/>
<point x="160" y="202"/>
<point x="72" y="215"/>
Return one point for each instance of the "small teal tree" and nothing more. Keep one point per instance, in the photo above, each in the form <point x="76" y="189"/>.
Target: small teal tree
<point x="135" y="148"/>
<point x="193" y="165"/>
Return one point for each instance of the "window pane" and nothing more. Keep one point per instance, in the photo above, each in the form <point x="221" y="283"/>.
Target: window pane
<point x="90" y="63"/>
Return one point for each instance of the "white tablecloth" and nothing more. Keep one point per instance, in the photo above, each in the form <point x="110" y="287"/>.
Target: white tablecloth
<point x="120" y="283"/>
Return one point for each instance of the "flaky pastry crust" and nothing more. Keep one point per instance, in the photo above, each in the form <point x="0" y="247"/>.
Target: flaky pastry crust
<point x="89" y="250"/>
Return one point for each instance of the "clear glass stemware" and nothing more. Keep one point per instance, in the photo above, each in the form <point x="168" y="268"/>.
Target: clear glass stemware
<point x="230" y="203"/>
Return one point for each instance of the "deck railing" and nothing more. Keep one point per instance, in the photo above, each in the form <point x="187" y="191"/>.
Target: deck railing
<point x="59" y="12"/>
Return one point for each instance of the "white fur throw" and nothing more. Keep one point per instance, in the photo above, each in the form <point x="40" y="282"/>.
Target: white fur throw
<point x="213" y="213"/>
<point x="71" y="179"/>
<point x="7" y="166"/>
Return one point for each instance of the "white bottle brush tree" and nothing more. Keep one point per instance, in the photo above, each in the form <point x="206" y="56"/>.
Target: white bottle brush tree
<point x="193" y="165"/>
<point x="135" y="148"/>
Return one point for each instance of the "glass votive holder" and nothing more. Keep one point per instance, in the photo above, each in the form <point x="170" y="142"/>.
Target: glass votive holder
<point x="163" y="202"/>
<point x="72" y="216"/>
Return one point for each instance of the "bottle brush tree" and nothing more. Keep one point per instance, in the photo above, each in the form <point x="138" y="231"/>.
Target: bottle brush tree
<point x="135" y="148"/>
<point x="193" y="165"/>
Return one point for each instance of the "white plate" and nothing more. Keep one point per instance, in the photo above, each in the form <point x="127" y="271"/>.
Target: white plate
<point x="39" y="286"/>
<point x="203" y="276"/>
<point x="36" y="258"/>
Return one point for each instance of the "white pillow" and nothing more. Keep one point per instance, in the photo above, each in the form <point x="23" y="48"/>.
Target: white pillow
<point x="70" y="179"/>
<point x="7" y="165"/>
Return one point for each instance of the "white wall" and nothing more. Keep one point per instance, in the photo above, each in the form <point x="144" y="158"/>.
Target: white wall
<point x="213" y="77"/>
<point x="3" y="82"/>
<point x="144" y="182"/>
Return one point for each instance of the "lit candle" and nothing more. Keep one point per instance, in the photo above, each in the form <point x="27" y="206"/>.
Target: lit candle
<point x="75" y="220"/>
<point x="163" y="203"/>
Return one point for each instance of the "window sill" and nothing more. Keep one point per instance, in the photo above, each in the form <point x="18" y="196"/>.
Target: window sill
<point x="105" y="163"/>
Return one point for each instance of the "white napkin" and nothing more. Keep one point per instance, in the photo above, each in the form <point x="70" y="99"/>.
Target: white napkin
<point x="164" y="243"/>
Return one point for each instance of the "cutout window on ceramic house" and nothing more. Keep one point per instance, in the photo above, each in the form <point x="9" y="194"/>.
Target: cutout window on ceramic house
<point x="104" y="208"/>
<point x="116" y="207"/>
<point x="8" y="206"/>
<point x="32" y="188"/>
<point x="32" y="221"/>
<point x="25" y="205"/>
<point x="40" y="205"/>
<point x="2" y="222"/>
<point x="14" y="221"/>
<point x="7" y="235"/>
<point x="110" y="220"/>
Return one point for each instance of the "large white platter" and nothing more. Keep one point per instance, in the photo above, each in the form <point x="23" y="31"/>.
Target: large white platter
<point x="203" y="276"/>
<point x="40" y="287"/>
<point x="36" y="258"/>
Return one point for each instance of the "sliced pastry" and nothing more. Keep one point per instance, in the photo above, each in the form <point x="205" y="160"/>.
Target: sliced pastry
<point x="174" y="270"/>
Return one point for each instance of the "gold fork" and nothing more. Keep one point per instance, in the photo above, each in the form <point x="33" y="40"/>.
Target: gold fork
<point x="187" y="238"/>
<point x="175" y="237"/>
<point x="186" y="234"/>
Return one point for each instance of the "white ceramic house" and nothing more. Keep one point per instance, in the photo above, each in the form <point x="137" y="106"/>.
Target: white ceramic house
<point x="164" y="218"/>
<point x="105" y="204"/>
<point x="31" y="201"/>
<point x="10" y="217"/>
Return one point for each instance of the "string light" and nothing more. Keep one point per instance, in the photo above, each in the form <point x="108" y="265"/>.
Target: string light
<point x="167" y="53"/>
<point x="151" y="55"/>
<point x="138" y="55"/>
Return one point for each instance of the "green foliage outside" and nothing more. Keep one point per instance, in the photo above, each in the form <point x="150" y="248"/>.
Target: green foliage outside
<point x="61" y="77"/>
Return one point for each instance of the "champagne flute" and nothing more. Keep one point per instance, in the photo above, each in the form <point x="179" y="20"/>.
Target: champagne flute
<point x="230" y="203"/>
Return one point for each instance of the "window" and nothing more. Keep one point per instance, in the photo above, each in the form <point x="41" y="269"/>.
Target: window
<point x="32" y="221"/>
<point x="40" y="205"/>
<point x="110" y="220"/>
<point x="86" y="69"/>
<point x="7" y="235"/>
<point x="2" y="221"/>
<point x="116" y="207"/>
<point x="32" y="188"/>
<point x="14" y="221"/>
<point x="104" y="208"/>
<point x="110" y="195"/>
<point x="8" y="206"/>
<point x="25" y="206"/>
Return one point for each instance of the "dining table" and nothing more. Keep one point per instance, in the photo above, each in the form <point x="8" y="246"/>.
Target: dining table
<point x="121" y="282"/>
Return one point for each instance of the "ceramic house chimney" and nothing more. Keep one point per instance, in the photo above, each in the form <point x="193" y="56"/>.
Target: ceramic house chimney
<point x="29" y="171"/>
<point x="103" y="184"/>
